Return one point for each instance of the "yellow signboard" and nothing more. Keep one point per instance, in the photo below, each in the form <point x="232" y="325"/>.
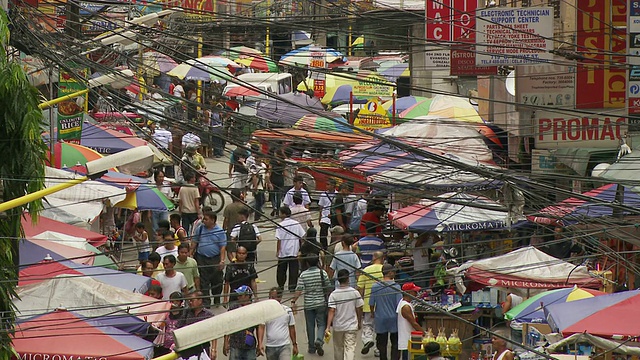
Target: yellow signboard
<point x="372" y="117"/>
<point x="372" y="86"/>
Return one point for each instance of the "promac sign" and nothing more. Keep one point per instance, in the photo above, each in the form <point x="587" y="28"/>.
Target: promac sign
<point x="554" y="130"/>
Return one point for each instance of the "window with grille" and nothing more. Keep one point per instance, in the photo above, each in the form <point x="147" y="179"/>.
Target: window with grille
<point x="556" y="8"/>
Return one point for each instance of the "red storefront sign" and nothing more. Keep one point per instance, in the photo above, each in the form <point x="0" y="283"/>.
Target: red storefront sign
<point x="601" y="39"/>
<point x="319" y="88"/>
<point x="463" y="62"/>
<point x="439" y="15"/>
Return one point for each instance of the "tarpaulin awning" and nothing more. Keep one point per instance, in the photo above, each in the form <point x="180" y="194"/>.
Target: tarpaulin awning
<point x="68" y="335"/>
<point x="33" y="252"/>
<point x="45" y="224"/>
<point x="524" y="268"/>
<point x="613" y="315"/>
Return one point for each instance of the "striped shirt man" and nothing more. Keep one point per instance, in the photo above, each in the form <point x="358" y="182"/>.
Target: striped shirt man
<point x="312" y="283"/>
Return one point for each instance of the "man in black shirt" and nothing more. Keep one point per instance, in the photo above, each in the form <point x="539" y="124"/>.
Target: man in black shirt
<point x="240" y="273"/>
<point x="197" y="312"/>
<point x="339" y="212"/>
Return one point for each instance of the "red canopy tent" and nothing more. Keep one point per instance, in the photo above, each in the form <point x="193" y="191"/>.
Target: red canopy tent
<point x="66" y="335"/>
<point x="45" y="224"/>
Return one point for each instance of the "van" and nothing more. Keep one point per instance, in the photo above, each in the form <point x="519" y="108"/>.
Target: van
<point x="277" y="84"/>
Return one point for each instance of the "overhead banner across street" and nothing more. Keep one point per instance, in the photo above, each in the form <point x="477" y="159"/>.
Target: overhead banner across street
<point x="514" y="36"/>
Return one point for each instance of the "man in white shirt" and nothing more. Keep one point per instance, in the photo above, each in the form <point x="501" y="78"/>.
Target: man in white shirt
<point x="169" y="247"/>
<point x="171" y="280"/>
<point x="324" y="203"/>
<point x="407" y="318"/>
<point x="345" y="315"/>
<point x="281" y="333"/>
<point x="289" y="235"/>
<point x="178" y="91"/>
<point x="298" y="183"/>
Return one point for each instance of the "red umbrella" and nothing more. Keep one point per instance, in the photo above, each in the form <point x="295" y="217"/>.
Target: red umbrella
<point x="65" y="335"/>
<point x="241" y="91"/>
<point x="45" y="224"/>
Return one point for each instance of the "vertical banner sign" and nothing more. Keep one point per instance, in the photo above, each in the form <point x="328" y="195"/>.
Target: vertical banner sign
<point x="70" y="115"/>
<point x="319" y="88"/>
<point x="463" y="56"/>
<point x="634" y="65"/>
<point x="601" y="39"/>
<point x="438" y="30"/>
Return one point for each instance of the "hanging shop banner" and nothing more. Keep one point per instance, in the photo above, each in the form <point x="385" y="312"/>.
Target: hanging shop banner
<point x="601" y="37"/>
<point x="70" y="113"/>
<point x="463" y="62"/>
<point x="551" y="84"/>
<point x="514" y="36"/>
<point x="372" y="117"/>
<point x="561" y="130"/>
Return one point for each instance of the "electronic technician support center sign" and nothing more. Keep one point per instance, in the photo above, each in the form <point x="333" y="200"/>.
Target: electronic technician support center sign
<point x="514" y="36"/>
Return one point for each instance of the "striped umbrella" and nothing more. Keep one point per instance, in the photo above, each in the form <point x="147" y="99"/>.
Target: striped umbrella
<point x="531" y="310"/>
<point x="393" y="71"/>
<point x="258" y="62"/>
<point x="207" y="68"/>
<point x="154" y="63"/>
<point x="68" y="154"/>
<point x="236" y="52"/>
<point x="145" y="197"/>
<point x="329" y="122"/>
<point x="404" y="103"/>
<point x="302" y="56"/>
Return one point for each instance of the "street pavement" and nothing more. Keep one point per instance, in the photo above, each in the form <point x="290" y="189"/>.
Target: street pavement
<point x="266" y="267"/>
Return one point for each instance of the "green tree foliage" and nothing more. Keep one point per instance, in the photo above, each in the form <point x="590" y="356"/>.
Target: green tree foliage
<point x="21" y="172"/>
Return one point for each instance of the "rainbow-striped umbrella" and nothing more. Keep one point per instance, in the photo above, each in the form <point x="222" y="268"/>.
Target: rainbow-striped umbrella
<point x="532" y="309"/>
<point x="258" y="62"/>
<point x="328" y="122"/>
<point x="68" y="155"/>
<point x="404" y="103"/>
<point x="236" y="52"/>
<point x="146" y="197"/>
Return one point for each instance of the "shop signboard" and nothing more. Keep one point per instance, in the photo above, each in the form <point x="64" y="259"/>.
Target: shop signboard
<point x="569" y="130"/>
<point x="551" y="84"/>
<point x="70" y="115"/>
<point x="508" y="36"/>
<point x="372" y="117"/>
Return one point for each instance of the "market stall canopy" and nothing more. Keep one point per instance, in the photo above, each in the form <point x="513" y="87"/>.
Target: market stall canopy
<point x="573" y="210"/>
<point x="455" y="212"/>
<point x="49" y="269"/>
<point x="88" y="297"/>
<point x="88" y="191"/>
<point x="46" y="224"/>
<point x="53" y="240"/>
<point x="522" y="269"/>
<point x="616" y="347"/>
<point x="385" y="163"/>
<point x="625" y="171"/>
<point x="328" y="122"/>
<point x="305" y="55"/>
<point x="531" y="310"/>
<point x="287" y="108"/>
<point x="154" y="63"/>
<point x="609" y="316"/>
<point x="207" y="68"/>
<point x="73" y="213"/>
<point x="33" y="252"/>
<point x="107" y="141"/>
<point x="288" y="134"/>
<point x="68" y="154"/>
<point x="403" y="103"/>
<point x="65" y="334"/>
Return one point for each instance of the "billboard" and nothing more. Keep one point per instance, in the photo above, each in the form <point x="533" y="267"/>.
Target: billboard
<point x="550" y="84"/>
<point x="514" y="36"/>
<point x="568" y="130"/>
<point x="601" y="37"/>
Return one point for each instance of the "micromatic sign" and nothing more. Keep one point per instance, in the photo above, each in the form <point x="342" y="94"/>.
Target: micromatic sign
<point x="38" y="356"/>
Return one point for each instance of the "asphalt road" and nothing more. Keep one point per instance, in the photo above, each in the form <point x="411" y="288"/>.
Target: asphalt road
<point x="218" y="172"/>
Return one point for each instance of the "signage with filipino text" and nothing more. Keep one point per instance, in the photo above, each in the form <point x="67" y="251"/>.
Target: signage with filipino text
<point x="372" y="117"/>
<point x="70" y="114"/>
<point x="372" y="86"/>
<point x="559" y="130"/>
<point x="602" y="42"/>
<point x="514" y="36"/>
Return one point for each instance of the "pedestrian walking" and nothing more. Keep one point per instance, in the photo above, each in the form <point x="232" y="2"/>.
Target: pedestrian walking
<point x="209" y="246"/>
<point x="289" y="235"/>
<point x="275" y="180"/>
<point x="141" y="239"/>
<point x="247" y="235"/>
<point x="339" y="214"/>
<point x="189" y="201"/>
<point x="383" y="302"/>
<point x="345" y="316"/>
<point x="196" y="313"/>
<point x="188" y="266"/>
<point x="180" y="232"/>
<point x="300" y="213"/>
<point x="232" y="217"/>
<point x="313" y="284"/>
<point x="242" y="345"/>
<point x="171" y="280"/>
<point x="165" y="189"/>
<point x="238" y="170"/>
<point x="369" y="244"/>
<point x="370" y="275"/>
<point x="169" y="245"/>
<point x="407" y="321"/>
<point x="298" y="183"/>
<point x="325" y="202"/>
<point x="280" y="333"/>
<point x="346" y="259"/>
<point x="173" y="321"/>
<point x="500" y="348"/>
<point x="238" y="273"/>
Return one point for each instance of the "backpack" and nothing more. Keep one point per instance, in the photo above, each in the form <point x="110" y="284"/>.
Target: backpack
<point x="247" y="237"/>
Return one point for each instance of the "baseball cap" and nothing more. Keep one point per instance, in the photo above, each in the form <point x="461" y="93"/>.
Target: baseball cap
<point x="410" y="287"/>
<point x="244" y="290"/>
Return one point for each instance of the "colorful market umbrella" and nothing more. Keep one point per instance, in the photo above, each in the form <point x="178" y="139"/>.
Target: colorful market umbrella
<point x="258" y="62"/>
<point x="403" y="103"/>
<point x="610" y="316"/>
<point x="208" y="68"/>
<point x="49" y="269"/>
<point x="47" y="237"/>
<point x="573" y="210"/>
<point x="68" y="154"/>
<point x="287" y="108"/>
<point x="531" y="310"/>
<point x="303" y="56"/>
<point x="393" y="71"/>
<point x="107" y="141"/>
<point x="329" y="122"/>
<point x="444" y="106"/>
<point x="155" y="63"/>
<point x="239" y="91"/>
<point x="61" y="333"/>
<point x="45" y="224"/>
<point x="146" y="197"/>
<point x="235" y="52"/>
<point x="455" y="212"/>
<point x="358" y="88"/>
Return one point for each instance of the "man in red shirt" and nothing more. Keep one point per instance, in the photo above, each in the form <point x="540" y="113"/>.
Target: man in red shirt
<point x="372" y="216"/>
